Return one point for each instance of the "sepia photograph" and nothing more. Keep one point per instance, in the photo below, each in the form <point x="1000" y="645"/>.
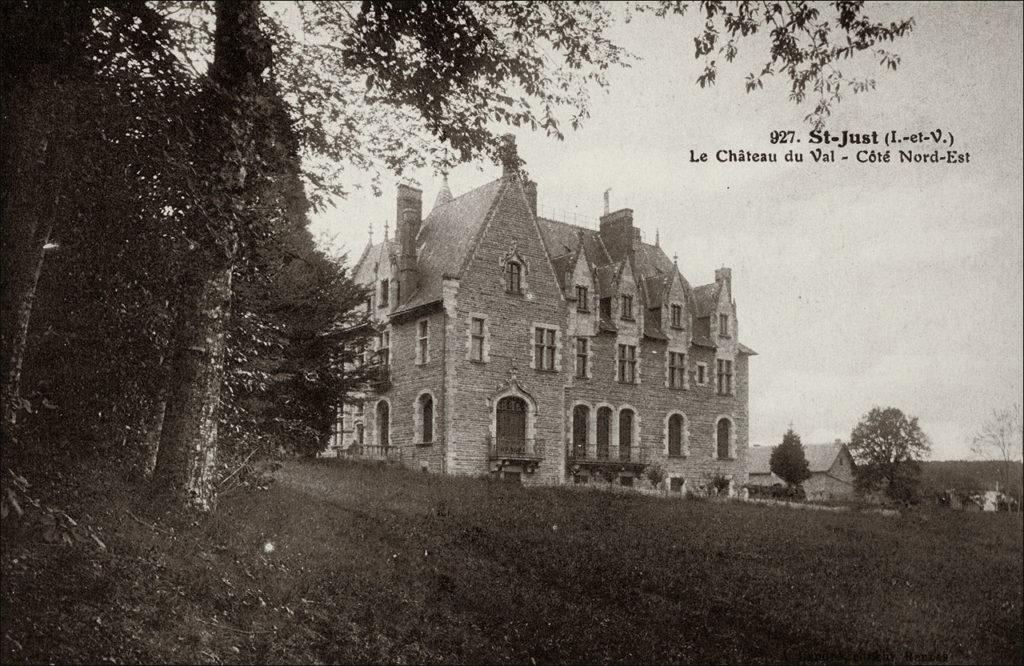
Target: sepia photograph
<point x="520" y="332"/>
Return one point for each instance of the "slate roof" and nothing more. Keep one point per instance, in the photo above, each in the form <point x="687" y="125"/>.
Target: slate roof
<point x="705" y="299"/>
<point x="820" y="457"/>
<point x="373" y="255"/>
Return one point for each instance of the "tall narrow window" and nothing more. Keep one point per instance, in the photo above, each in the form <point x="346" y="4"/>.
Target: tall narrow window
<point x="702" y="374"/>
<point x="606" y="308"/>
<point x="724" y="377"/>
<point x="627" y="307"/>
<point x="675" y="435"/>
<point x="724" y="435"/>
<point x="514" y="278"/>
<point x="544" y="348"/>
<point x="426" y="418"/>
<point x="676" y="370"/>
<point x="582" y="299"/>
<point x="385" y="287"/>
<point x="476" y="339"/>
<point x="723" y="325"/>
<point x="627" y="364"/>
<point x="604" y="431"/>
<point x="582" y="357"/>
<point x="580" y="427"/>
<point x="384" y="348"/>
<point x="626" y="434"/>
<point x="677" y="316"/>
<point x="422" y="341"/>
<point x="383" y="424"/>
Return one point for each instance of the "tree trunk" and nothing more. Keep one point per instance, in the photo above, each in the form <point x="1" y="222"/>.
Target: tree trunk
<point x="224" y="148"/>
<point x="187" y="453"/>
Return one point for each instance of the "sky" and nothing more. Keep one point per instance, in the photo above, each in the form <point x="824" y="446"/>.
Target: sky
<point x="858" y="285"/>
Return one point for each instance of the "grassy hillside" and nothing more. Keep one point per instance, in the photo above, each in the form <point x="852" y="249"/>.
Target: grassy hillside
<point x="972" y="475"/>
<point x="370" y="564"/>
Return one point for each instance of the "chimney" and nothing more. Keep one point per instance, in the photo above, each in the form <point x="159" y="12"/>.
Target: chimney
<point x="618" y="233"/>
<point x="409" y="210"/>
<point x="723" y="276"/>
<point x="530" y="188"/>
<point x="606" y="208"/>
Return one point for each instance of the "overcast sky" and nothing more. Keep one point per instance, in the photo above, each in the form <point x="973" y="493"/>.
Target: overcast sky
<point x="888" y="285"/>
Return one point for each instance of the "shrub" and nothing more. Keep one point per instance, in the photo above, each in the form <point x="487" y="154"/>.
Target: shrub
<point x="655" y="474"/>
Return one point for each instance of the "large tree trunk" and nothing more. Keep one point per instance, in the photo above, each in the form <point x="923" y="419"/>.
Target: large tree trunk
<point x="224" y="146"/>
<point x="187" y="454"/>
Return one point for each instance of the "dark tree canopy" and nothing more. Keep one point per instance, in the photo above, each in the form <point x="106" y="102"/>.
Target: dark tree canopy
<point x="788" y="461"/>
<point x="888" y="446"/>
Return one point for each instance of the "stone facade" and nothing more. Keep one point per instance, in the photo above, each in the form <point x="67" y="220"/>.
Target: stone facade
<point x="545" y="349"/>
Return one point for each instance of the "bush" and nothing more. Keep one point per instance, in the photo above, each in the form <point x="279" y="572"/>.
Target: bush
<point x="655" y="474"/>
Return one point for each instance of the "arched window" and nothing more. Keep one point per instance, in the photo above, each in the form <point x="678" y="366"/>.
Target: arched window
<point x="675" y="435"/>
<point x="511" y="425"/>
<point x="724" y="435"/>
<point x="513" y="277"/>
<point x="383" y="424"/>
<point x="604" y="431"/>
<point x="580" y="426"/>
<point x="426" y="410"/>
<point x="625" y="434"/>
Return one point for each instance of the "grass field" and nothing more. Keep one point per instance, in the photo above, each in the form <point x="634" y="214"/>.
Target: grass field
<point x="373" y="564"/>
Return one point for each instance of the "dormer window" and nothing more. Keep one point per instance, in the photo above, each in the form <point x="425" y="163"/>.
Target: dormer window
<point x="582" y="299"/>
<point x="627" y="307"/>
<point x="514" y="277"/>
<point x="385" y="286"/>
<point x="723" y="325"/>
<point x="677" y="316"/>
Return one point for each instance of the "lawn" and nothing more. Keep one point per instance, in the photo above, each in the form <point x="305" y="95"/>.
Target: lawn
<point x="341" y="562"/>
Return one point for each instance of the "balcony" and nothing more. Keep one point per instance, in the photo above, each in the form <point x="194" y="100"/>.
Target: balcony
<point x="633" y="458"/>
<point x="526" y="453"/>
<point x="390" y="453"/>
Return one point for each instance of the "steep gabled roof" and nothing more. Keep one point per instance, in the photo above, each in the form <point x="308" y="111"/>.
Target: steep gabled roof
<point x="820" y="457"/>
<point x="373" y="255"/>
<point x="705" y="299"/>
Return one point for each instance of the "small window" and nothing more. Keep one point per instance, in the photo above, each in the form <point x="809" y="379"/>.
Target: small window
<point x="514" y="278"/>
<point x="422" y="342"/>
<point x="677" y="316"/>
<point x="385" y="286"/>
<point x="626" y="481"/>
<point x="702" y="374"/>
<point x="676" y="370"/>
<point x="627" y="364"/>
<point x="606" y="308"/>
<point x="476" y="339"/>
<point x="384" y="348"/>
<point x="369" y="304"/>
<point x="723" y="325"/>
<point x="627" y="307"/>
<point x="582" y="357"/>
<point x="582" y="299"/>
<point x="724" y="377"/>
<point x="544" y="348"/>
<point x="675" y="484"/>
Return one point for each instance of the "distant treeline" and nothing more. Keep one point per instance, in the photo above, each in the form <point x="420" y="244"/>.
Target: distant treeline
<point x="972" y="476"/>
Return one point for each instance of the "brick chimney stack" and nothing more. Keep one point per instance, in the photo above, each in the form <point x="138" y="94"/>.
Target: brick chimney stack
<point x="618" y="233"/>
<point x="409" y="215"/>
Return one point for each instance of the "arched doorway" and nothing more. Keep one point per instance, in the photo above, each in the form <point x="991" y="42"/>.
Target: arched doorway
<point x="383" y="424"/>
<point x="625" y="434"/>
<point x="724" y="435"/>
<point x="604" y="431"/>
<point x="511" y="425"/>
<point x="580" y="426"/>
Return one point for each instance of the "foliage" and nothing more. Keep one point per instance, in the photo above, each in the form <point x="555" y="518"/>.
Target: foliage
<point x="788" y="461"/>
<point x="655" y="474"/>
<point x="808" y="41"/>
<point x="888" y="446"/>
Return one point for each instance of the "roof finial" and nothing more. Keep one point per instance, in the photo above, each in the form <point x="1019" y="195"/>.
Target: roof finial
<point x="387" y="226"/>
<point x="444" y="195"/>
<point x="606" y="205"/>
<point x="371" y="233"/>
<point x="675" y="259"/>
<point x="657" y="237"/>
